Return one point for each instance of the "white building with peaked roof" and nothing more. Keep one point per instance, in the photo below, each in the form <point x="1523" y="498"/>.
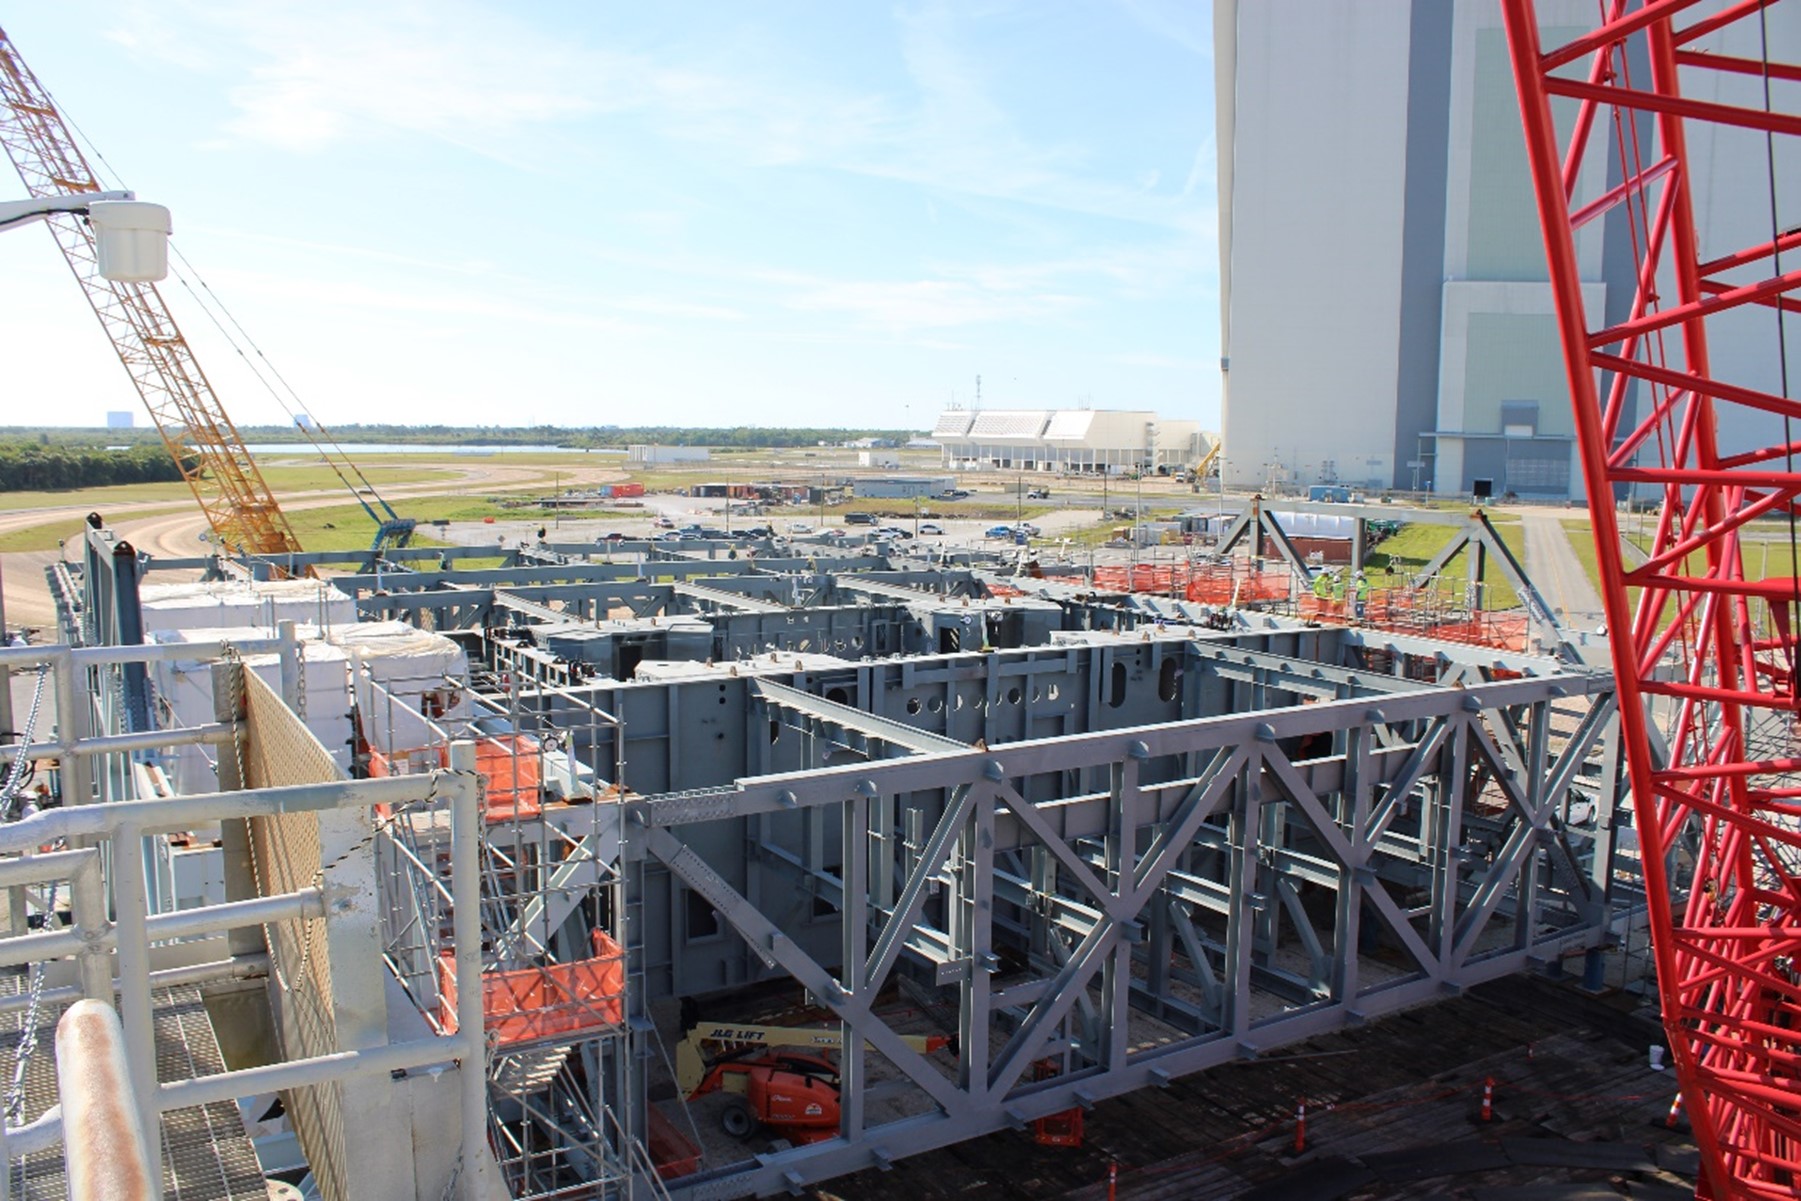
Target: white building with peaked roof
<point x="1068" y="440"/>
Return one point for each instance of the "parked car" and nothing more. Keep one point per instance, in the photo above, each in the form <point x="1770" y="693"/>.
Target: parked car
<point x="614" y="536"/>
<point x="799" y="527"/>
<point x="1039" y="494"/>
<point x="999" y="531"/>
<point x="930" y="527"/>
<point x="894" y="531"/>
<point x="953" y="494"/>
<point x="859" y="519"/>
<point x="663" y="523"/>
<point x="1027" y="528"/>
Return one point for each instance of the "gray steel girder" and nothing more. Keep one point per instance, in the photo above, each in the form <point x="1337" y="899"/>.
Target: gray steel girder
<point x="1208" y="844"/>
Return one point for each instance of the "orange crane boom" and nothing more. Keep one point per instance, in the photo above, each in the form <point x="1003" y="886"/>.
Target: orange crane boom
<point x="193" y="424"/>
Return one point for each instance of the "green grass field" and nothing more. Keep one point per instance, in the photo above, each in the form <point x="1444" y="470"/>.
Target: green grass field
<point x="282" y="475"/>
<point x="1414" y="545"/>
<point x="48" y="534"/>
<point x="347" y="527"/>
<point x="1764" y="550"/>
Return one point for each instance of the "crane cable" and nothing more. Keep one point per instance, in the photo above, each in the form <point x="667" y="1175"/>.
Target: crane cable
<point x="1788" y="438"/>
<point x="335" y="458"/>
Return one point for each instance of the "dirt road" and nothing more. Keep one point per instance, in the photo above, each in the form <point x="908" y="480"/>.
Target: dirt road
<point x="170" y="535"/>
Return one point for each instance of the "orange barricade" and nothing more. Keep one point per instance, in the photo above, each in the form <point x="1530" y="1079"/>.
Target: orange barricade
<point x="532" y="1003"/>
<point x="672" y="1153"/>
<point x="1060" y="1129"/>
<point x="508" y="765"/>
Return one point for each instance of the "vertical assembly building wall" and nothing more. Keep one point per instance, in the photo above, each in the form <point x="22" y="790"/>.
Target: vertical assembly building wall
<point x="1386" y="316"/>
<point x="1317" y="155"/>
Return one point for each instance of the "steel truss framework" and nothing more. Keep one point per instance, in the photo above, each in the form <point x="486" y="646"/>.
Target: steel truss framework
<point x="1652" y="412"/>
<point x="1233" y="883"/>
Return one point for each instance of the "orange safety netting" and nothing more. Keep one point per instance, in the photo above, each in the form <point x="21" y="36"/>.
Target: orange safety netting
<point x="1205" y="583"/>
<point x="507" y="763"/>
<point x="1427" y="613"/>
<point x="532" y="1003"/>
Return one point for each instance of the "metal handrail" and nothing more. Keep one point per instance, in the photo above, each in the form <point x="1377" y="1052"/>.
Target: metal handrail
<point x="96" y="944"/>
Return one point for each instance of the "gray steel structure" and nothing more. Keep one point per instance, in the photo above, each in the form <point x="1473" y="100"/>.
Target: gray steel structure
<point x="1119" y="860"/>
<point x="1136" y="859"/>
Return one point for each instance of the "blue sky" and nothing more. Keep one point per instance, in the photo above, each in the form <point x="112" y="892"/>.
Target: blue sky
<point x="825" y="213"/>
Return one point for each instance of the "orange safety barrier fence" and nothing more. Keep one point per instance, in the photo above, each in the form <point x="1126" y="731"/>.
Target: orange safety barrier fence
<point x="507" y="763"/>
<point x="1426" y="614"/>
<point x="532" y="1003"/>
<point x="1204" y="583"/>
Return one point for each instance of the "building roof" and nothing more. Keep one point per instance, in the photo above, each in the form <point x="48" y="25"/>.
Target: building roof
<point x="953" y="423"/>
<point x="1025" y="424"/>
<point x="1069" y="425"/>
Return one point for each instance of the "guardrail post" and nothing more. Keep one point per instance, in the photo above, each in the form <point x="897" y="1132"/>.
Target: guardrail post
<point x="131" y="912"/>
<point x="87" y="903"/>
<point x="71" y="727"/>
<point x="465" y="892"/>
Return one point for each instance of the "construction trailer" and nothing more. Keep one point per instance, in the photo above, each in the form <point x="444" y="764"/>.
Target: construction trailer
<point x="1103" y="840"/>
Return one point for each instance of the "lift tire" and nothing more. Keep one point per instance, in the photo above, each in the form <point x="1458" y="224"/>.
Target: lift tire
<point x="738" y="1119"/>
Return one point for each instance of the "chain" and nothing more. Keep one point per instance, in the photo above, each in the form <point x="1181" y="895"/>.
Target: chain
<point x="300" y="690"/>
<point x="456" y="1172"/>
<point x="28" y="1029"/>
<point x="14" y="1105"/>
<point x="16" y="775"/>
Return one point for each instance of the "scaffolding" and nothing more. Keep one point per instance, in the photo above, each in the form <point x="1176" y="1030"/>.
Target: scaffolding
<point x="553" y="978"/>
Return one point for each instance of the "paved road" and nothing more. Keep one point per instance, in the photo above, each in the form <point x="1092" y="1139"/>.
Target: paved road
<point x="1553" y="566"/>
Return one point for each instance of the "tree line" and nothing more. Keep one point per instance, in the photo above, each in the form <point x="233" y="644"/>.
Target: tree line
<point x="33" y="467"/>
<point x="574" y="438"/>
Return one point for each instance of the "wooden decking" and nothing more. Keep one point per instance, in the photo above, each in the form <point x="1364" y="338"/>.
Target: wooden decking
<point x="1393" y="1112"/>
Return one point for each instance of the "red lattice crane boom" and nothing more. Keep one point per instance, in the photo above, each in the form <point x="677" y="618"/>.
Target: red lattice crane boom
<point x="194" y="426"/>
<point x="1706" y="654"/>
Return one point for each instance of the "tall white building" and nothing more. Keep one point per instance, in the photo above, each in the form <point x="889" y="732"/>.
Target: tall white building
<point x="1386" y="320"/>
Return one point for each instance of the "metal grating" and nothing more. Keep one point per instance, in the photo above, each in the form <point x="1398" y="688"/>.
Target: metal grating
<point x="207" y="1156"/>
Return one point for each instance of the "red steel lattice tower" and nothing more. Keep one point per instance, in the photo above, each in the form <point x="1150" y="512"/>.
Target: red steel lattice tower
<point x="193" y="424"/>
<point x="1703" y="655"/>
